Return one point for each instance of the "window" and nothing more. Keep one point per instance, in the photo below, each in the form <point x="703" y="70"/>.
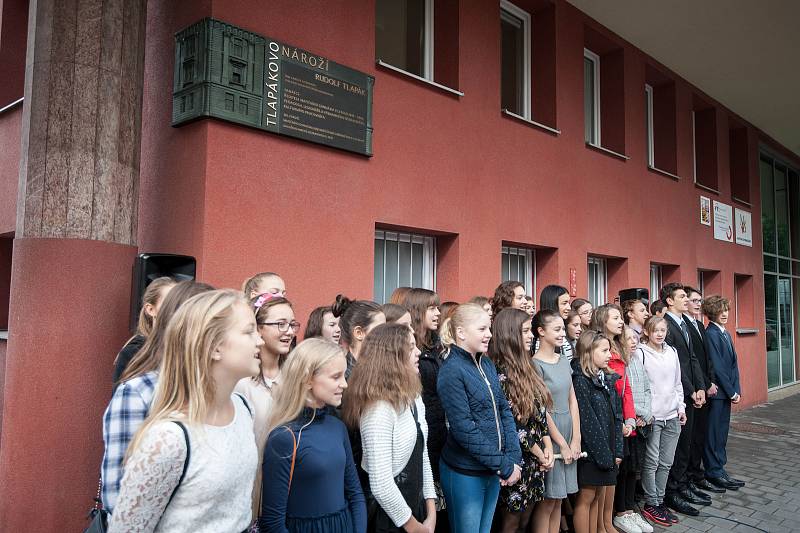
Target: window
<point x="404" y="35"/>
<point x="515" y="80"/>
<point x="403" y="260"/>
<point x="597" y="280"/>
<point x="651" y="158"/>
<point x="519" y="264"/>
<point x="656" y="282"/>
<point x="591" y="97"/>
<point x="704" y="145"/>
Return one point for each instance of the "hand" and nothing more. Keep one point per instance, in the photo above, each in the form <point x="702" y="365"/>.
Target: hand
<point x="736" y="398"/>
<point x="617" y="461"/>
<point x="575" y="446"/>
<point x="640" y="422"/>
<point x="712" y="390"/>
<point x="682" y="418"/>
<point x="566" y="453"/>
<point x="513" y="478"/>
<point x="626" y="430"/>
<point x="412" y="526"/>
<point x="701" y="396"/>
<point x="549" y="459"/>
<point x="430" y="518"/>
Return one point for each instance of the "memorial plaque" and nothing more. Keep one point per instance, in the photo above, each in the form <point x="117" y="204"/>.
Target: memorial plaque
<point x="231" y="74"/>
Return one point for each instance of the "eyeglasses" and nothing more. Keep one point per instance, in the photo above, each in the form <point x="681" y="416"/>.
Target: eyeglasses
<point x="283" y="325"/>
<point x="696" y="301"/>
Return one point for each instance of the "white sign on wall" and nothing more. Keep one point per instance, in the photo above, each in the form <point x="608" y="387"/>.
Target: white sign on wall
<point x="723" y="222"/>
<point x="744" y="227"/>
<point x="705" y="211"/>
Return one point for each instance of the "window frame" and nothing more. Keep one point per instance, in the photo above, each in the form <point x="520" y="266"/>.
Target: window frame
<point x="658" y="271"/>
<point x="602" y="271"/>
<point x="595" y="59"/>
<point x="530" y="266"/>
<point x="694" y="149"/>
<point x="507" y="8"/>
<point x="651" y="157"/>
<point x="428" y="243"/>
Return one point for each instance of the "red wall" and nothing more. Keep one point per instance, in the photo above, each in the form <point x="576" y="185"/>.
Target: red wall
<point x="244" y="201"/>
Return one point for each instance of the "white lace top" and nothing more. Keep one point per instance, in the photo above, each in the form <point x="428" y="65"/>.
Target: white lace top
<point x="215" y="494"/>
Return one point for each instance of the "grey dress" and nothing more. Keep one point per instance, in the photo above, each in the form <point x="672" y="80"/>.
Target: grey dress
<point x="563" y="478"/>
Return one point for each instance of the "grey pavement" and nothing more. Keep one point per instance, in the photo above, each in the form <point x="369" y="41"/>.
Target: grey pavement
<point x="763" y="451"/>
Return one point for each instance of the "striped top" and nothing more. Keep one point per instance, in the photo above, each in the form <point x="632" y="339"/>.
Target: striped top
<point x="388" y="439"/>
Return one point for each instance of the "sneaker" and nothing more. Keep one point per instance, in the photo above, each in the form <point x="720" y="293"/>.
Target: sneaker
<point x="672" y="517"/>
<point x="642" y="523"/>
<point x="656" y="515"/>
<point x="626" y="524"/>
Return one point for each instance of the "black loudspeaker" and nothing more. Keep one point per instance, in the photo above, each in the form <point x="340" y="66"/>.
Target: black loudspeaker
<point x="147" y="267"/>
<point x="635" y="294"/>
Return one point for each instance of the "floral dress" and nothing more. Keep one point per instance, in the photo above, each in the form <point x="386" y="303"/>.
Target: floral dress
<point x="530" y="488"/>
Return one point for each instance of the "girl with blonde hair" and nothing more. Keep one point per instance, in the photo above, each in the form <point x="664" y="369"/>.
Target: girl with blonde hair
<point x="191" y="465"/>
<point x="601" y="422"/>
<point x="384" y="405"/>
<point x="310" y="482"/>
<point x="482" y="449"/>
<point x="152" y="298"/>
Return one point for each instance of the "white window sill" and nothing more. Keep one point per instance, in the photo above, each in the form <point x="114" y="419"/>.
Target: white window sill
<point x="706" y="188"/>
<point x="537" y="125"/>
<point x="426" y="81"/>
<point x="11" y="106"/>
<point x="746" y="331"/>
<point x="607" y="151"/>
<point x="663" y="172"/>
<point x="4" y="334"/>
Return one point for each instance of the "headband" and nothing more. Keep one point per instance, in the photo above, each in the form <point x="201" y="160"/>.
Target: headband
<point x="264" y="298"/>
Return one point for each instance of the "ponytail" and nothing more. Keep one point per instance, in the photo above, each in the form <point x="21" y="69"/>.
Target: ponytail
<point x="464" y="314"/>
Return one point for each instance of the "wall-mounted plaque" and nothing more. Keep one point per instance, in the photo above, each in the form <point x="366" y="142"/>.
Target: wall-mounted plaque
<point x="723" y="221"/>
<point x="228" y="73"/>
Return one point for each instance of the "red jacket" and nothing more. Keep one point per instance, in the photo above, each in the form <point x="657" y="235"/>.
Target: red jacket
<point x="618" y="365"/>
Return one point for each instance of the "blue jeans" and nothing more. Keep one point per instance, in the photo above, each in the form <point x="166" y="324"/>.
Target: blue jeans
<point x="471" y="500"/>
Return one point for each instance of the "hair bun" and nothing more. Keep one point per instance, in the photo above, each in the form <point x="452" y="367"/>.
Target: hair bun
<point x="340" y="305"/>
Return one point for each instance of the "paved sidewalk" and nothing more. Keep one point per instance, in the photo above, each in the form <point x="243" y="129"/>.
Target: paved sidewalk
<point x="763" y="451"/>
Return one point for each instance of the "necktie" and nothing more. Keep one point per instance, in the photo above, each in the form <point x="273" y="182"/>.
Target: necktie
<point x="728" y="338"/>
<point x="685" y="329"/>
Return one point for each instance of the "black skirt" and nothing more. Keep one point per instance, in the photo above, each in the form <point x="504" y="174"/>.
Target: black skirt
<point x="590" y="475"/>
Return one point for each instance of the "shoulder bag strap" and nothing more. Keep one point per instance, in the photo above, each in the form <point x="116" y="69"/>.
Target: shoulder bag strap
<point x="185" y="463"/>
<point x="244" y="401"/>
<point x="294" y="457"/>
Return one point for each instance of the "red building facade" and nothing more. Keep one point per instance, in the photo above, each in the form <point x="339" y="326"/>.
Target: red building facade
<point x="449" y="166"/>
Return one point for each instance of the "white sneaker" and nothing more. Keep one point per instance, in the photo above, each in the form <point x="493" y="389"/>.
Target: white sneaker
<point x="626" y="523"/>
<point x="643" y="524"/>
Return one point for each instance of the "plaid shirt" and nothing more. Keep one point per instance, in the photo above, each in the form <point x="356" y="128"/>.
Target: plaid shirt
<point x="640" y="386"/>
<point x="127" y="410"/>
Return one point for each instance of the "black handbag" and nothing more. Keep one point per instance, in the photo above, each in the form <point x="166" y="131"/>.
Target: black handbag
<point x="99" y="517"/>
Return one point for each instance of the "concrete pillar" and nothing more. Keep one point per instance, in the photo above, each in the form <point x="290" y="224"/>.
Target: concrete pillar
<point x="75" y="241"/>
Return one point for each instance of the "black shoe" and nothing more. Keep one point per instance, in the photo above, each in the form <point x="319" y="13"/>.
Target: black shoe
<point x="695" y="499"/>
<point x="673" y="501"/>
<point x="733" y="480"/>
<point x="722" y="483"/>
<point x="695" y="489"/>
<point x="708" y="487"/>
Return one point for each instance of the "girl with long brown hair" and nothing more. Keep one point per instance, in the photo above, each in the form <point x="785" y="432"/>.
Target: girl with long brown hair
<point x="529" y="400"/>
<point x="384" y="404"/>
<point x="191" y="465"/>
<point x="310" y="483"/>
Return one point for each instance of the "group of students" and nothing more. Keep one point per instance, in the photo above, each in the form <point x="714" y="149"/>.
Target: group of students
<point x="416" y="415"/>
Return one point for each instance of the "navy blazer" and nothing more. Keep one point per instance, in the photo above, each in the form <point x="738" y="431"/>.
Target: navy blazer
<point x="698" y="335"/>
<point x="692" y="377"/>
<point x="726" y="367"/>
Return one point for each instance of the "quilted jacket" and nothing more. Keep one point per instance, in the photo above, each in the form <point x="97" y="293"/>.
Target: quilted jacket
<point x="601" y="417"/>
<point x="482" y="436"/>
<point x="430" y="361"/>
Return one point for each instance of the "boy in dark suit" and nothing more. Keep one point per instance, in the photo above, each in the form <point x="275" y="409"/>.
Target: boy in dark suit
<point x="719" y="347"/>
<point x="678" y="496"/>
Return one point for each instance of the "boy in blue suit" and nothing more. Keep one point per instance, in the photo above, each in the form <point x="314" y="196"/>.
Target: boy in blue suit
<point x="719" y="347"/>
